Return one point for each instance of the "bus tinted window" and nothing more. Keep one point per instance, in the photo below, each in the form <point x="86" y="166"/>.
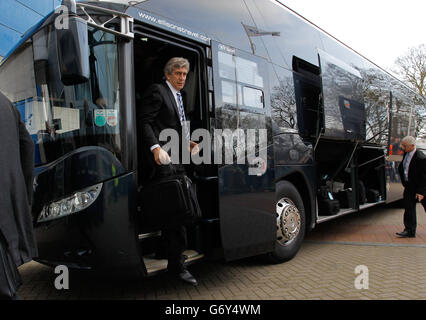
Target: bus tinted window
<point x="225" y="17"/>
<point x="241" y="80"/>
<point x="62" y="118"/>
<point x="253" y="97"/>
<point x="344" y="108"/>
<point x="283" y="100"/>
<point x="295" y="36"/>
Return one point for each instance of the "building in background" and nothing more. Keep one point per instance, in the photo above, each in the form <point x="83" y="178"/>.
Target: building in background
<point x="17" y="16"/>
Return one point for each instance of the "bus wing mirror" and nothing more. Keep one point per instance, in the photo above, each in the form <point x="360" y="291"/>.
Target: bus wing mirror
<point x="73" y="52"/>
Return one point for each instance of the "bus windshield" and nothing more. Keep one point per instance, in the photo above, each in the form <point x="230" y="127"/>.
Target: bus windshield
<point x="62" y="118"/>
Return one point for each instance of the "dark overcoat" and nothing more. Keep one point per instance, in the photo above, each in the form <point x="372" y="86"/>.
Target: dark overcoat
<point x="416" y="173"/>
<point x="16" y="184"/>
<point x="156" y="111"/>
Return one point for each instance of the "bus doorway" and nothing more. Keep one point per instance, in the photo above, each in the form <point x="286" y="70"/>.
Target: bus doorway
<point x="151" y="54"/>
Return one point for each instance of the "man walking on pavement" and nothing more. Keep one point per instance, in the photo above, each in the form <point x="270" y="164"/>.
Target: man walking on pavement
<point x="412" y="171"/>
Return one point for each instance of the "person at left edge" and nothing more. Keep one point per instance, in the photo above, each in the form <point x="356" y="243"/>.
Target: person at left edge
<point x="17" y="240"/>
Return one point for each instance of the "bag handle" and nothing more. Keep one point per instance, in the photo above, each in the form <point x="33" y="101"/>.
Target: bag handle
<point x="172" y="167"/>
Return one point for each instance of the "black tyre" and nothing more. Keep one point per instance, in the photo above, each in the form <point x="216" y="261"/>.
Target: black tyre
<point x="290" y="223"/>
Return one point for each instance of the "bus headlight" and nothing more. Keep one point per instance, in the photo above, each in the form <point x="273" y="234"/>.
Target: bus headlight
<point x="77" y="202"/>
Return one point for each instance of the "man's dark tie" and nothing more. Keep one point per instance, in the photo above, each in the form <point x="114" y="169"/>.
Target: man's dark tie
<point x="404" y="165"/>
<point x="182" y="117"/>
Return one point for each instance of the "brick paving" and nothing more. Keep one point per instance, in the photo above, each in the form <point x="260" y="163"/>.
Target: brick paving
<point x="323" y="269"/>
<point x="377" y="225"/>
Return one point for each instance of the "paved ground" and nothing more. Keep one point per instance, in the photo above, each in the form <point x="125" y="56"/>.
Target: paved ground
<point x="323" y="269"/>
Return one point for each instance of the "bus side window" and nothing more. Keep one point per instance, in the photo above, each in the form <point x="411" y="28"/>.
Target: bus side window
<point x="241" y="94"/>
<point x="241" y="81"/>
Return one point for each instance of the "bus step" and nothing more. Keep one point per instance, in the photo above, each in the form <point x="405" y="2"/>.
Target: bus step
<point x="154" y="266"/>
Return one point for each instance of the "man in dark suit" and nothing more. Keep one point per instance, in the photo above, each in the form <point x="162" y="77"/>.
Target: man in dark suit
<point x="17" y="241"/>
<point x="162" y="108"/>
<point x="412" y="171"/>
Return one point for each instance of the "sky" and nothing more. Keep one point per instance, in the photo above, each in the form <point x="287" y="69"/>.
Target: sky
<point x="380" y="30"/>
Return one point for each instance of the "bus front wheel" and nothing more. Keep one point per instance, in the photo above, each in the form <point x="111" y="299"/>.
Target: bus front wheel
<point x="290" y="220"/>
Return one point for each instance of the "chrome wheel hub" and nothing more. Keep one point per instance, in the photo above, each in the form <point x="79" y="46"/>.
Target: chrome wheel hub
<point x="288" y="221"/>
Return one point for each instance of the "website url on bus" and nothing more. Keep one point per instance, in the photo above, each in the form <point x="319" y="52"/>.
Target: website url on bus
<point x="172" y="26"/>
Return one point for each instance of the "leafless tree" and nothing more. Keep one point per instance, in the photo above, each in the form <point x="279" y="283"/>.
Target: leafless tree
<point x="412" y="68"/>
<point x="283" y="103"/>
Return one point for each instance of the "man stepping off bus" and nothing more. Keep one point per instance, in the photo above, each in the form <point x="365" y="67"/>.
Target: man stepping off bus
<point x="162" y="108"/>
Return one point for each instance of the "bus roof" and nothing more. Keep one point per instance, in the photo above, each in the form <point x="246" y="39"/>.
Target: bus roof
<point x="125" y="5"/>
<point x="28" y="34"/>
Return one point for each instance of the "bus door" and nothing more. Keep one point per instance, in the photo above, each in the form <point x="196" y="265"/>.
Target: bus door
<point x="241" y="136"/>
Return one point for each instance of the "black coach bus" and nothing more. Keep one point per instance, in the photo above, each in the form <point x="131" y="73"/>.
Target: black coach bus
<point x="332" y="120"/>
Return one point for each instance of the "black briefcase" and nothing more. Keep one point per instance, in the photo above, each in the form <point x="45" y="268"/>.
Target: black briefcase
<point x="345" y="198"/>
<point x="373" y="195"/>
<point x="169" y="202"/>
<point x="328" y="207"/>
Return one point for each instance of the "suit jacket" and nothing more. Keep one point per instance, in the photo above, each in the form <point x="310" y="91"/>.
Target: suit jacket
<point x="16" y="184"/>
<point x="416" y="173"/>
<point x="156" y="111"/>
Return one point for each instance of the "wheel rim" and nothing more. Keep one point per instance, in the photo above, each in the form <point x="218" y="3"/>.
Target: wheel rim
<point x="288" y="221"/>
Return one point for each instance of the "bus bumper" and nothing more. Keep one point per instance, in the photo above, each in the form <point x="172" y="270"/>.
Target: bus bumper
<point x="101" y="237"/>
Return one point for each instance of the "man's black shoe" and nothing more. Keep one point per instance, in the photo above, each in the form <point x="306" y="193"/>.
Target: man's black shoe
<point x="406" y="234"/>
<point x="187" y="277"/>
<point x="181" y="272"/>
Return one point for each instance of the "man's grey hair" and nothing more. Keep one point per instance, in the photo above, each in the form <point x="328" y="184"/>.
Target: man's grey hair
<point x="409" y="140"/>
<point x="176" y="63"/>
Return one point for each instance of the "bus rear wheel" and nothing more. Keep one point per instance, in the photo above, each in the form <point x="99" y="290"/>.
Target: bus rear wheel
<point x="290" y="214"/>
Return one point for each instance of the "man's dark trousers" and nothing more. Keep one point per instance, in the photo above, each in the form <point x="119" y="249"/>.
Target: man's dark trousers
<point x="174" y="239"/>
<point x="410" y="217"/>
<point x="415" y="184"/>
